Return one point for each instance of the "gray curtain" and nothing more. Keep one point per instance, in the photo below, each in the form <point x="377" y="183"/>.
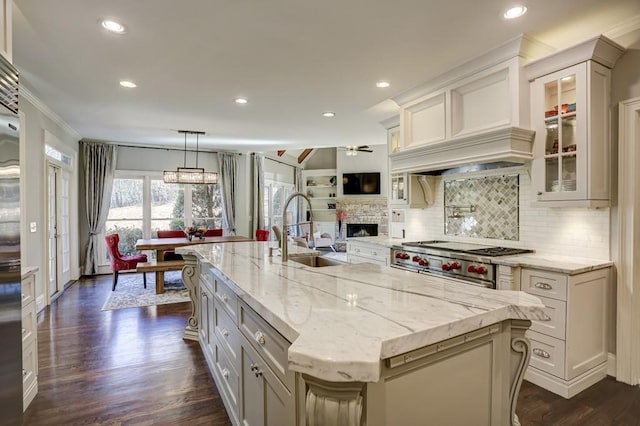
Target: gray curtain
<point x="229" y="174"/>
<point x="99" y="161"/>
<point x="258" y="192"/>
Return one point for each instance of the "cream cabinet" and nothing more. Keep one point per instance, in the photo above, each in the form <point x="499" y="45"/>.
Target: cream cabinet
<point x="321" y="186"/>
<point x="569" y="352"/>
<point x="365" y="252"/>
<point x="29" y="338"/>
<point x="571" y="117"/>
<point x="246" y="356"/>
<point x="6" y="29"/>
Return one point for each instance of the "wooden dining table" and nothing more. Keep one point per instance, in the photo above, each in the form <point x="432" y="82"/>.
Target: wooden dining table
<point x="162" y="244"/>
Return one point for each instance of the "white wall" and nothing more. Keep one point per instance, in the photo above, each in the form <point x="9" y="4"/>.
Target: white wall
<point x="38" y="119"/>
<point x="577" y="232"/>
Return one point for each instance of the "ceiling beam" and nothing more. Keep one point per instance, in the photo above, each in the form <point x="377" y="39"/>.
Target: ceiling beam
<point x="304" y="155"/>
<point x="281" y="153"/>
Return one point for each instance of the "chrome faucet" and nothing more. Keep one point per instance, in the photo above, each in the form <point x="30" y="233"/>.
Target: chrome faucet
<point x="284" y="248"/>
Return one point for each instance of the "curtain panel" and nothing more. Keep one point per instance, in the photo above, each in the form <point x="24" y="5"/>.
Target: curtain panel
<point x="229" y="175"/>
<point x="99" y="162"/>
<point x="258" y="192"/>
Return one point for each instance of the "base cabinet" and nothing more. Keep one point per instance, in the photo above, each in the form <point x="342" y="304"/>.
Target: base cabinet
<point x="363" y="252"/>
<point x="29" y="339"/>
<point x="569" y="352"/>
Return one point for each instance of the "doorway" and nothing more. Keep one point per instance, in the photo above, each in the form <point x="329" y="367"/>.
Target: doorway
<point x="58" y="225"/>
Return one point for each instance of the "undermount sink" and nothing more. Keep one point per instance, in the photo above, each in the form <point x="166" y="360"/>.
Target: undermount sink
<point x="315" y="261"/>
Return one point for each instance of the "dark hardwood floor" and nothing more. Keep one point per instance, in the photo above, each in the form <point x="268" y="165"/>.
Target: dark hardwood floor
<point x="131" y="366"/>
<point x="126" y="366"/>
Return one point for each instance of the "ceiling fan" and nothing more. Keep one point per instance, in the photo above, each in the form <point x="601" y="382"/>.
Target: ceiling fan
<point x="353" y="150"/>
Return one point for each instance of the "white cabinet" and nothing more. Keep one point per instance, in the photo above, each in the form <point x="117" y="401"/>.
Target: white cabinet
<point x="569" y="352"/>
<point x="29" y="339"/>
<point x="365" y="252"/>
<point x="246" y="356"/>
<point x="411" y="191"/>
<point x="570" y="114"/>
<point x="321" y="188"/>
<point x="6" y="29"/>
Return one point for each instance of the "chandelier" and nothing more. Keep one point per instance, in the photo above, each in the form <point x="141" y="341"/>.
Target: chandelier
<point x="192" y="175"/>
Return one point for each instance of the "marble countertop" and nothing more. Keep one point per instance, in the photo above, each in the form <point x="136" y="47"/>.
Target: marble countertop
<point x="342" y="320"/>
<point x="553" y="263"/>
<point x="25" y="271"/>
<point x="383" y="240"/>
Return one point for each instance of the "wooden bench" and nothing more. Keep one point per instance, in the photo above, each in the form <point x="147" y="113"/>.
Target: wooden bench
<point x="160" y="268"/>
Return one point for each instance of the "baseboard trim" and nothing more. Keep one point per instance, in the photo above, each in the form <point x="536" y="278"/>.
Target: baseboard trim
<point x="40" y="303"/>
<point x="611" y="365"/>
<point x="566" y="388"/>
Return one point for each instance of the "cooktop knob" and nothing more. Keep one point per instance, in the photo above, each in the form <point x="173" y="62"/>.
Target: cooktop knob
<point x="471" y="268"/>
<point x="446" y="267"/>
<point x="422" y="262"/>
<point x="405" y="256"/>
<point x="416" y="258"/>
<point x="480" y="270"/>
<point x="455" y="265"/>
<point x="398" y="255"/>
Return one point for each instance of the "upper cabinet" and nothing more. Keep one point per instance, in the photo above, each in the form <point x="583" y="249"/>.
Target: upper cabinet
<point x="476" y="113"/>
<point x="570" y="114"/>
<point x="6" y="29"/>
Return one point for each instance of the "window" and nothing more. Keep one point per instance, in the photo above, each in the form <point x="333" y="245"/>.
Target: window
<point x="141" y="204"/>
<point x="275" y="195"/>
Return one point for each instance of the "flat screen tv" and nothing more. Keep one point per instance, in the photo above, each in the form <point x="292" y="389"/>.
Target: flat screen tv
<point x="360" y="183"/>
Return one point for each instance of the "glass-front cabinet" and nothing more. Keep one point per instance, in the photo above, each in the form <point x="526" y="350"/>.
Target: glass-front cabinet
<point x="398" y="194"/>
<point x="570" y="116"/>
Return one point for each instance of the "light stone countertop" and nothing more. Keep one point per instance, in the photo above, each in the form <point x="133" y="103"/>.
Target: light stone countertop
<point x="25" y="271"/>
<point x="553" y="263"/>
<point x="342" y="320"/>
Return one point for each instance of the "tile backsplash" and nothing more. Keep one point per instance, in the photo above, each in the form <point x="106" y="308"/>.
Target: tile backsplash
<point x="578" y="232"/>
<point x="482" y="207"/>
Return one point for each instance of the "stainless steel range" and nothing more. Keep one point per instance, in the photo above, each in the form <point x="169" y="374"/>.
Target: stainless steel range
<point x="471" y="263"/>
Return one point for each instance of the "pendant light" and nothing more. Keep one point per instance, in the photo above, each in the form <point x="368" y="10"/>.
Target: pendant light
<point x="192" y="175"/>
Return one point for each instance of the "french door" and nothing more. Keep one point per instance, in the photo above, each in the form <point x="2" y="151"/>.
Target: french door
<point x="58" y="225"/>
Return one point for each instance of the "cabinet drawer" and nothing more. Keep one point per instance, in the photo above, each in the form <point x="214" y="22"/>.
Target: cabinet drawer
<point x="546" y="284"/>
<point x="557" y="311"/>
<point x="228" y="380"/>
<point x="206" y="280"/>
<point x="29" y="366"/>
<point x="29" y="324"/>
<point x="269" y="344"/>
<point x="28" y="289"/>
<point x="376" y="252"/>
<point x="227" y="335"/>
<point x="227" y="298"/>
<point x="359" y="259"/>
<point x="547" y="353"/>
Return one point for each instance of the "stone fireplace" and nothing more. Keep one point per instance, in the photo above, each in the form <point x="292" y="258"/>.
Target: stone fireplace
<point x="362" y="230"/>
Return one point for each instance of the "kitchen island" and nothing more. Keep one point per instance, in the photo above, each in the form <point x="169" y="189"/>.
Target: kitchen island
<point x="291" y="343"/>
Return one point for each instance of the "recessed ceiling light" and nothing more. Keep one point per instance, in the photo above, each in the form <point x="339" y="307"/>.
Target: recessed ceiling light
<point x="382" y="84"/>
<point x="328" y="114"/>
<point x="515" y="12"/>
<point x="241" y="101"/>
<point x="113" y="26"/>
<point x="128" y="84"/>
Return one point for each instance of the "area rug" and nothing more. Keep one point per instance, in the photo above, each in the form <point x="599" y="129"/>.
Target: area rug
<point x="130" y="292"/>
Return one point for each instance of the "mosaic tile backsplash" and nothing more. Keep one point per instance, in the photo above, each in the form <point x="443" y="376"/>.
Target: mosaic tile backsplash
<point x="485" y="207"/>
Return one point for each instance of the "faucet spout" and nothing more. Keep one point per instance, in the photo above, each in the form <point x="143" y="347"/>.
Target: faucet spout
<point x="284" y="248"/>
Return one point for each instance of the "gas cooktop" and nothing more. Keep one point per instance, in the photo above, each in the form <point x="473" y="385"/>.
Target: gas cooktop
<point x="479" y="249"/>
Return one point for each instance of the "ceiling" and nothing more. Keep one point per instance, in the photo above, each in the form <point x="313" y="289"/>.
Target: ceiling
<point x="291" y="59"/>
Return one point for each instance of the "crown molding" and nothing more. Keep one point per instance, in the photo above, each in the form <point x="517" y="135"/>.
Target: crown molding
<point x="623" y="28"/>
<point x="23" y="92"/>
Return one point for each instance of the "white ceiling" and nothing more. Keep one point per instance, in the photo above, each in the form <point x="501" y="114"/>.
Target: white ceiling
<point x="293" y="59"/>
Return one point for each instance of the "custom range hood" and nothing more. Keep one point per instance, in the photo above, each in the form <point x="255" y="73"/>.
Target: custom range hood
<point x="507" y="146"/>
<point x="476" y="113"/>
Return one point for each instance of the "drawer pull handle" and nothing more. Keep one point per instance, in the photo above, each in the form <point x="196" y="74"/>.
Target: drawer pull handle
<point x="541" y="353"/>
<point x="24" y="331"/>
<point x="544" y="286"/>
<point x="225" y="332"/>
<point x="258" y="373"/>
<point x="224" y="298"/>
<point x="259" y="337"/>
<point x="254" y="367"/>
<point x="225" y="373"/>
<point x="24" y="373"/>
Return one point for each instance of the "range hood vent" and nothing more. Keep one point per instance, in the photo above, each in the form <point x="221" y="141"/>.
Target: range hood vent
<point x="509" y="144"/>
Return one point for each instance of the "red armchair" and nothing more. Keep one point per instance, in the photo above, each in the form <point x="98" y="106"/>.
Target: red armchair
<point x="171" y="254"/>
<point x="122" y="263"/>
<point x="213" y="232"/>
